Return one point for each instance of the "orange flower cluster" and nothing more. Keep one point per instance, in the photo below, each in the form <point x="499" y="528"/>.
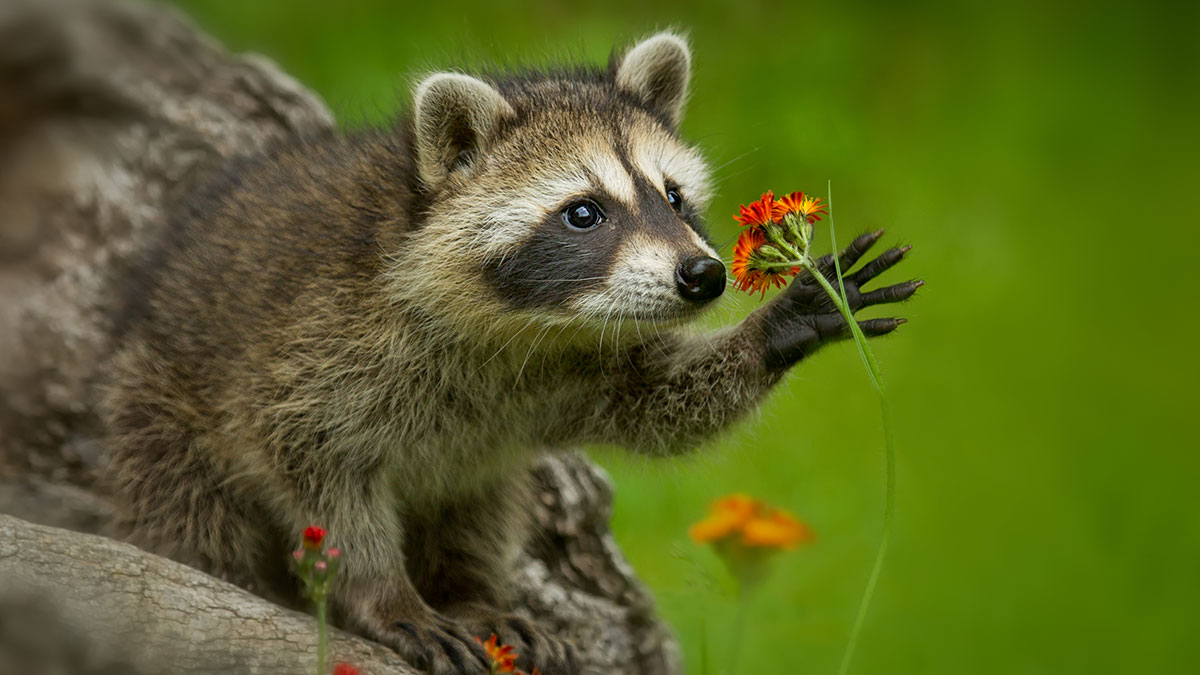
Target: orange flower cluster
<point x="503" y="658"/>
<point x="766" y="222"/>
<point x="758" y="524"/>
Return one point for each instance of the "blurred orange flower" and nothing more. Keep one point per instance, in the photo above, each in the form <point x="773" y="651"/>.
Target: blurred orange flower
<point x="776" y="530"/>
<point x="758" y="524"/>
<point x="746" y="533"/>
<point x="726" y="516"/>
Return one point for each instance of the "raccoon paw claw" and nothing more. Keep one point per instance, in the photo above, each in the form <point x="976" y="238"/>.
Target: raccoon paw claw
<point x="803" y="317"/>
<point x="439" y="647"/>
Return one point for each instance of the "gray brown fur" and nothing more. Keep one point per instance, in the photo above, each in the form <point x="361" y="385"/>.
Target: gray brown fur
<point x="331" y="336"/>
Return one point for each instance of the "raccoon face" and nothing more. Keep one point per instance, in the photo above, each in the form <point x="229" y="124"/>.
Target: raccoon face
<point x="573" y="193"/>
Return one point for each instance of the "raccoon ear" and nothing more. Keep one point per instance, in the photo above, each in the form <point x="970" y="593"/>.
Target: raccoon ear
<point x="454" y="115"/>
<point x="657" y="71"/>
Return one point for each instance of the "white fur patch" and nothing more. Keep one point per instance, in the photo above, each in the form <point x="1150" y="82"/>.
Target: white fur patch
<point x="640" y="284"/>
<point x="661" y="159"/>
<point x="613" y="177"/>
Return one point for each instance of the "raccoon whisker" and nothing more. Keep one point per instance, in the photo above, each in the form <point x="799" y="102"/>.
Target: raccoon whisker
<point x="514" y="336"/>
<point x="637" y="325"/>
<point x="722" y="179"/>
<point x="735" y="159"/>
<point x="621" y="323"/>
<point x="725" y="243"/>
<point x="562" y="347"/>
<point x="607" y="316"/>
<point x="641" y="340"/>
<point x="532" y="347"/>
<point x="583" y="322"/>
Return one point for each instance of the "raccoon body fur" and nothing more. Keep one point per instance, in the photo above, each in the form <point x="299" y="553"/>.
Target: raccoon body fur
<point x="378" y="332"/>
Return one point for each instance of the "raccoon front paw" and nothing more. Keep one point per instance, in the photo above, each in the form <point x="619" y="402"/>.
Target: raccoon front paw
<point x="438" y="646"/>
<point x="534" y="645"/>
<point x="803" y="317"/>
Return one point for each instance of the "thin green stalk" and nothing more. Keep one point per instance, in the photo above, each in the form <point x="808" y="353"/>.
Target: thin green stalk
<point x="739" y="626"/>
<point x="889" y="499"/>
<point x="322" y="638"/>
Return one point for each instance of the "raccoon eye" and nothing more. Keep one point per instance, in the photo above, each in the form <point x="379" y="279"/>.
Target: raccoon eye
<point x="675" y="199"/>
<point x="583" y="215"/>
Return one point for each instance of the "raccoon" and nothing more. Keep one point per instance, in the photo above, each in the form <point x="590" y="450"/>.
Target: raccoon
<point x="380" y="331"/>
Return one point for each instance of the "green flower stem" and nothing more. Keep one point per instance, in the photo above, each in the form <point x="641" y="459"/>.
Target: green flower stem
<point x="739" y="626"/>
<point x="322" y="637"/>
<point x="889" y="447"/>
<point x="875" y="374"/>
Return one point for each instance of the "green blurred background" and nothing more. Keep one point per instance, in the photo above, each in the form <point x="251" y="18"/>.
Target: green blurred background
<point x="1043" y="159"/>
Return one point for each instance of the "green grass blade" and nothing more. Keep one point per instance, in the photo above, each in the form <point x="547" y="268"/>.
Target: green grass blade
<point x="889" y="508"/>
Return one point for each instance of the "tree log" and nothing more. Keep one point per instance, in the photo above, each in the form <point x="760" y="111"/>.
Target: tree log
<point x="110" y="112"/>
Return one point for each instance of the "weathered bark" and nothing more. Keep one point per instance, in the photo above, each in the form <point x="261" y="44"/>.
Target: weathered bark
<point x="109" y="113"/>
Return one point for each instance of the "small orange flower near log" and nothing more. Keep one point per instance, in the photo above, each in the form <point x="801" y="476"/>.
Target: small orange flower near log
<point x="502" y="657"/>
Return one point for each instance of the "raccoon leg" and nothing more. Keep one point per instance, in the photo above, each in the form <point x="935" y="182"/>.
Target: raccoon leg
<point x="373" y="594"/>
<point x="461" y="559"/>
<point x="171" y="498"/>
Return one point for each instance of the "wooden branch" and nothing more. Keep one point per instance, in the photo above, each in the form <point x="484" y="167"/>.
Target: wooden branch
<point x="152" y="614"/>
<point x="110" y="111"/>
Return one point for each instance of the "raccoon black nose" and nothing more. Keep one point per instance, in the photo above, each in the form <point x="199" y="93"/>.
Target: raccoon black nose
<point x="700" y="278"/>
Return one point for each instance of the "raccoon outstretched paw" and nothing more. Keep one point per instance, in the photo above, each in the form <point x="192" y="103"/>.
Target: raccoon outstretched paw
<point x="803" y="317"/>
<point x="534" y="645"/>
<point x="438" y="646"/>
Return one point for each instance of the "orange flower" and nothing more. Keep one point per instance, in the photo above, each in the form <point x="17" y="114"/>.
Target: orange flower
<point x="778" y="529"/>
<point x="758" y="524"/>
<point x="749" y="273"/>
<point x="805" y="207"/>
<point x="759" y="213"/>
<point x="504" y="660"/>
<point x="726" y="515"/>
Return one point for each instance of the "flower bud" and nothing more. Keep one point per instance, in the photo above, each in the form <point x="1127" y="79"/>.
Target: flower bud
<point x="313" y="537"/>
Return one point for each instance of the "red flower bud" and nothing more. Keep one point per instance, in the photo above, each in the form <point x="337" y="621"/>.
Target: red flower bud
<point x="334" y="553"/>
<point x="313" y="536"/>
<point x="344" y="669"/>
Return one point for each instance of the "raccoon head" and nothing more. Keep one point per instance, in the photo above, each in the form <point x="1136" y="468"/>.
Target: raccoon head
<point x="567" y="195"/>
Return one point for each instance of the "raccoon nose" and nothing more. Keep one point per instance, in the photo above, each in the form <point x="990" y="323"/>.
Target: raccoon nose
<point x="700" y="278"/>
